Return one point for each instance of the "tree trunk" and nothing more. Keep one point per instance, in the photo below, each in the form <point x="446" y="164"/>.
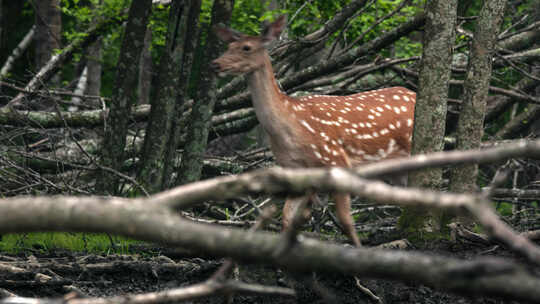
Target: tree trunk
<point x="178" y="123"/>
<point x="2" y="39"/>
<point x="146" y="70"/>
<point x="158" y="128"/>
<point x="431" y="107"/>
<point x="48" y="37"/>
<point x="93" y="62"/>
<point x="473" y="109"/>
<point x="124" y="96"/>
<point x="203" y="108"/>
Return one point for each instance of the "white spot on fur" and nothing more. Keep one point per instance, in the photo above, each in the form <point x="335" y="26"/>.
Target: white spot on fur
<point x="305" y="124"/>
<point x="409" y="122"/>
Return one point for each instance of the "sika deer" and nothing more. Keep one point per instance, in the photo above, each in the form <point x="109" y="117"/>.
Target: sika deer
<point x="318" y="130"/>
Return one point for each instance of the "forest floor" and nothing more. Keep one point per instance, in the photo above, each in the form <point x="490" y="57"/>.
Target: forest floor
<point x="57" y="273"/>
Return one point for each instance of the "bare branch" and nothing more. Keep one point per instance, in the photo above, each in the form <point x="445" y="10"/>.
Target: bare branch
<point x="137" y="219"/>
<point x="205" y="289"/>
<point x="49" y="69"/>
<point x="17" y="52"/>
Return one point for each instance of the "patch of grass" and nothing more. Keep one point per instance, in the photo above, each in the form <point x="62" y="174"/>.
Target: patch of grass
<point x="49" y="241"/>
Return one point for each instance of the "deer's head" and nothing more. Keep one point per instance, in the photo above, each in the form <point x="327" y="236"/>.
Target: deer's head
<point x="245" y="53"/>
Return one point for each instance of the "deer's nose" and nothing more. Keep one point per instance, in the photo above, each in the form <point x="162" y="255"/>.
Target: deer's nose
<point x="215" y="66"/>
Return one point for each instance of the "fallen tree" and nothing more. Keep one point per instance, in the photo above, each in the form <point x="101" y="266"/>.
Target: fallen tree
<point x="154" y="219"/>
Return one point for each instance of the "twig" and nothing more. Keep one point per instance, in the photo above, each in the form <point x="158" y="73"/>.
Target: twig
<point x="377" y="22"/>
<point x="196" y="291"/>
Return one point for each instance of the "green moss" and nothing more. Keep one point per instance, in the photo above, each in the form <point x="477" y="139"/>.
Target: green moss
<point x="420" y="239"/>
<point x="48" y="241"/>
<point x="412" y="220"/>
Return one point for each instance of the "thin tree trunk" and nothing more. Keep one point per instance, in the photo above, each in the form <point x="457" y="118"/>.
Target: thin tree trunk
<point x="1" y="24"/>
<point x="201" y="113"/>
<point x="431" y="107"/>
<point x="471" y="118"/>
<point x="146" y="70"/>
<point x="124" y="94"/>
<point x="48" y="37"/>
<point x="93" y="62"/>
<point x="177" y="124"/>
<point x="159" y="124"/>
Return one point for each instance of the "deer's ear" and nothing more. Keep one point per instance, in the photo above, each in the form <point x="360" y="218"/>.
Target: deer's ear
<point x="273" y="30"/>
<point x="226" y="34"/>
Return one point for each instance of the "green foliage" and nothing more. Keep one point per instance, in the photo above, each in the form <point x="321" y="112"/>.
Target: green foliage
<point x="206" y="12"/>
<point x="158" y="25"/>
<point x="246" y="16"/>
<point x="505" y="209"/>
<point x="48" y="241"/>
<point x="77" y="16"/>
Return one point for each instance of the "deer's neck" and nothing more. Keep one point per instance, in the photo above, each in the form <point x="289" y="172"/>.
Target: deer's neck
<point x="269" y="102"/>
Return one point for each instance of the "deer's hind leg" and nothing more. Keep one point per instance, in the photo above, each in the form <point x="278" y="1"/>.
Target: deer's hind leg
<point x="343" y="211"/>
<point x="292" y="203"/>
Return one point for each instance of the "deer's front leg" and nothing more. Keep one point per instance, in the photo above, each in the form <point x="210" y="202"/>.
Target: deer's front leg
<point x="292" y="203"/>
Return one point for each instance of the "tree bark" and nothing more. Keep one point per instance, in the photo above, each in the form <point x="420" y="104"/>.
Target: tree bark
<point x="178" y="121"/>
<point x="201" y="112"/>
<point x="124" y="96"/>
<point x="473" y="109"/>
<point x="93" y="61"/>
<point x="158" y="128"/>
<point x="431" y="107"/>
<point x="146" y="70"/>
<point x="48" y="37"/>
<point x="48" y="30"/>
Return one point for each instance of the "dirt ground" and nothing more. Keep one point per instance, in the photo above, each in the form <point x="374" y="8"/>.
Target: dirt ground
<point x="57" y="273"/>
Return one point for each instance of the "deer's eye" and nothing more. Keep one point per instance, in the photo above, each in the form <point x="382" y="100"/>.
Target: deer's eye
<point x="246" y="48"/>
